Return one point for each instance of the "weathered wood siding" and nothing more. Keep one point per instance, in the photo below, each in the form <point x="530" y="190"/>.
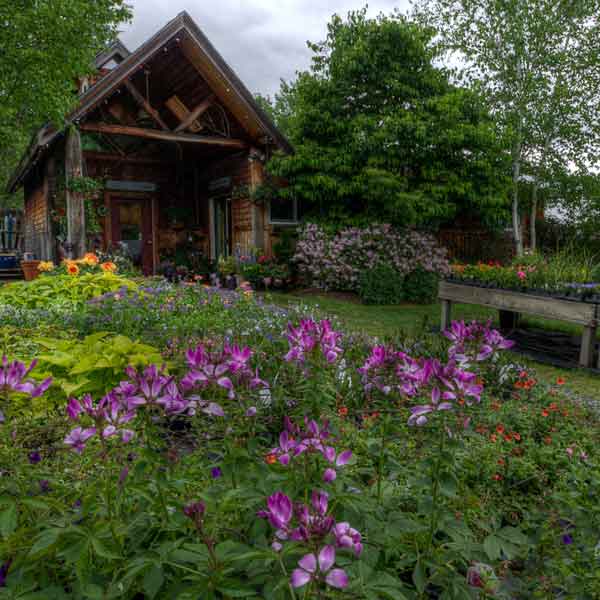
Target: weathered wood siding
<point x="38" y="190"/>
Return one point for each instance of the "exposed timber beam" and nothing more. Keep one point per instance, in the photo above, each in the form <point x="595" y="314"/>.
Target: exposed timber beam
<point x="145" y="105"/>
<point x="165" y="136"/>
<point x="196" y="113"/>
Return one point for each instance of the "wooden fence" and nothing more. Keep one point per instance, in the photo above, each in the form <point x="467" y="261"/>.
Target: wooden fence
<point x="474" y="246"/>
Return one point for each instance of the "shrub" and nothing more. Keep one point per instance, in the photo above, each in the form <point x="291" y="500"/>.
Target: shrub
<point x="421" y="286"/>
<point x="336" y="262"/>
<point x="381" y="285"/>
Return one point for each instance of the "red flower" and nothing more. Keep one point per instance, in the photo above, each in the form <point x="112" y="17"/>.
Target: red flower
<point x="545" y="413"/>
<point x="500" y="428"/>
<point x="343" y="411"/>
<point x="497" y="477"/>
<point x="561" y="381"/>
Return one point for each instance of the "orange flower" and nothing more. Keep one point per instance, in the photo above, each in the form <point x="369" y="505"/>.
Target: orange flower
<point x="343" y="411"/>
<point x="561" y="381"/>
<point x="72" y="268"/>
<point x="545" y="413"/>
<point x="90" y="258"/>
<point x="270" y="459"/>
<point x="108" y="267"/>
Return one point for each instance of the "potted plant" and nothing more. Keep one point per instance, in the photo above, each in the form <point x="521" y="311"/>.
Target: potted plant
<point x="30" y="267"/>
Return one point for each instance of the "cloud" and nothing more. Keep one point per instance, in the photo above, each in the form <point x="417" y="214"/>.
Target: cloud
<point x="262" y="40"/>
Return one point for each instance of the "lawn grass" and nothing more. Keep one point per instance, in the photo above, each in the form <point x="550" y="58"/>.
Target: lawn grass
<point x="384" y="321"/>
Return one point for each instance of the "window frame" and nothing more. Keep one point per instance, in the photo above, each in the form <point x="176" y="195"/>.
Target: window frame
<point x="292" y="222"/>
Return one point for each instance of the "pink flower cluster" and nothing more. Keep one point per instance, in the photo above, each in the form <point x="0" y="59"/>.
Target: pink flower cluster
<point x="336" y="262"/>
<point x="310" y="337"/>
<point x="226" y="370"/>
<point x="158" y="393"/>
<point x="475" y="342"/>
<point x="294" y="442"/>
<point x="442" y="384"/>
<point x="313" y="526"/>
<point x="13" y="380"/>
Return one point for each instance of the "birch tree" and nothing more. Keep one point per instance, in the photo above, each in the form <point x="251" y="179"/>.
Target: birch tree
<point x="537" y="62"/>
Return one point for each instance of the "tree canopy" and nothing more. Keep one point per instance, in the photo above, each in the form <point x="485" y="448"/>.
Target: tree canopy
<point x="536" y="63"/>
<point x="381" y="134"/>
<point x="45" y="45"/>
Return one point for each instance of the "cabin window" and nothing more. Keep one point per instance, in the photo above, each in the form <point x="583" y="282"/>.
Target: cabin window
<point x="284" y="211"/>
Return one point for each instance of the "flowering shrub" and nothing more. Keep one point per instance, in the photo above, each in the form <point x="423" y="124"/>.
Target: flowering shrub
<point x="336" y="262"/>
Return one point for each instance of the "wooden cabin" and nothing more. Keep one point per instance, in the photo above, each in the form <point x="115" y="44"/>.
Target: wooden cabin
<point x="161" y="153"/>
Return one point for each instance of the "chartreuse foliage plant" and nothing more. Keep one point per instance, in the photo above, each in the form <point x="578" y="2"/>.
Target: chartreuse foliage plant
<point x="276" y="456"/>
<point x="62" y="289"/>
<point x="94" y="364"/>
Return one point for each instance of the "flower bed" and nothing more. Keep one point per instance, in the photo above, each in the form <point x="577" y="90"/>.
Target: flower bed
<point x="274" y="455"/>
<point x="574" y="283"/>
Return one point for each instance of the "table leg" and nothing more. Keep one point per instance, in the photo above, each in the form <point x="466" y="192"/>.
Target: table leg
<point x="508" y="320"/>
<point x="446" y="314"/>
<point x="587" y="346"/>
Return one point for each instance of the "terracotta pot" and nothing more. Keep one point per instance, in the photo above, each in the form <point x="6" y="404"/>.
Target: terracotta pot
<point x="30" y="269"/>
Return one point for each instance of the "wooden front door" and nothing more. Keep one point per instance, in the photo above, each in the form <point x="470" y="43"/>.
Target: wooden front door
<point x="131" y="222"/>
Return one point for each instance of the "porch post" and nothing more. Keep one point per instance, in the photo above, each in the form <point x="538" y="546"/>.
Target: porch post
<point x="75" y="202"/>
<point x="257" y="176"/>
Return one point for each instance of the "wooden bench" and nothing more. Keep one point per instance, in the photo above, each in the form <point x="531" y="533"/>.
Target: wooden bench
<point x="511" y="304"/>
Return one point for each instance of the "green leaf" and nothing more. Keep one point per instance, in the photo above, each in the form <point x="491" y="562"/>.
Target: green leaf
<point x="101" y="550"/>
<point x="45" y="540"/>
<point x="153" y="581"/>
<point x="419" y="576"/>
<point x="492" y="547"/>
<point x="8" y="520"/>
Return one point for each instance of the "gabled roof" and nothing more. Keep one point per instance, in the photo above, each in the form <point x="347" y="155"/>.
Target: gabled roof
<point x="117" y="51"/>
<point x="199" y="50"/>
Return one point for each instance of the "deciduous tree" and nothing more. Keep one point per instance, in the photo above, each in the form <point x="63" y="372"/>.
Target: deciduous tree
<point x="381" y="134"/>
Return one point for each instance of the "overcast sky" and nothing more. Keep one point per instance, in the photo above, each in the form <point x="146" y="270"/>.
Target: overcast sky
<point x="262" y="40"/>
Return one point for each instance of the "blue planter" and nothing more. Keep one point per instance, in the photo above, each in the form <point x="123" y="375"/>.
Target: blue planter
<point x="8" y="261"/>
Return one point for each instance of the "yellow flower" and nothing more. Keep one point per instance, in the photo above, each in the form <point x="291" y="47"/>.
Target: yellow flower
<point x="72" y="268"/>
<point x="90" y="259"/>
<point x="108" y="267"/>
<point x="45" y="266"/>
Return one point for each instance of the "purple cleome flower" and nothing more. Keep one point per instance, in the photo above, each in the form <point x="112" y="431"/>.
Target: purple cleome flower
<point x="13" y="380"/>
<point x="309" y="336"/>
<point x="313" y="568"/>
<point x="294" y="441"/>
<point x="312" y="526"/>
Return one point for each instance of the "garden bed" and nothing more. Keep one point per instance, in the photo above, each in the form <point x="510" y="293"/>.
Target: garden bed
<point x="247" y="440"/>
<point x="510" y="304"/>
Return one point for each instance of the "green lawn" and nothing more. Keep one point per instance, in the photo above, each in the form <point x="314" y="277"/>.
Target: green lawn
<point x="385" y="321"/>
